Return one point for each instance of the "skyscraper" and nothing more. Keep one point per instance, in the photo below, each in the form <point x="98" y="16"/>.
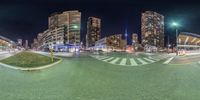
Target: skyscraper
<point x="40" y="40"/>
<point x="152" y="29"/>
<point x="26" y="44"/>
<point x="69" y="22"/>
<point x="134" y="38"/>
<point x="93" y="31"/>
<point x="19" y="42"/>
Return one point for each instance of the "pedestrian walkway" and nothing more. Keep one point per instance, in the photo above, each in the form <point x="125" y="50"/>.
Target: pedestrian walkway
<point x="129" y="61"/>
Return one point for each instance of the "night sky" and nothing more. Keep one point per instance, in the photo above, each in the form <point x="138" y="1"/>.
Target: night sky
<point x="26" y="18"/>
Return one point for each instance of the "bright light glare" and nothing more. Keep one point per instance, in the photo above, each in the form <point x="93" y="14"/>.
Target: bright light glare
<point x="174" y="24"/>
<point x="75" y="26"/>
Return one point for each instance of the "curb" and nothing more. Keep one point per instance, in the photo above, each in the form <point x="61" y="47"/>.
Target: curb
<point x="183" y="64"/>
<point x="30" y="69"/>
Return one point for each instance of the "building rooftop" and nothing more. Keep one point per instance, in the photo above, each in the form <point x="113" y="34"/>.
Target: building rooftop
<point x="6" y="39"/>
<point x="190" y="34"/>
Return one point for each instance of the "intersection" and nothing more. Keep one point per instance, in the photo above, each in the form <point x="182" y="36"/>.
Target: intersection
<point x="87" y="78"/>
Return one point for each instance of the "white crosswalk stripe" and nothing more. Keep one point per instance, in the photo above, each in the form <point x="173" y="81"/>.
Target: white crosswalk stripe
<point x="149" y="60"/>
<point x="168" y="60"/>
<point x="142" y="61"/>
<point x="123" y="61"/>
<point x="132" y="61"/>
<point x="110" y="58"/>
<point x="101" y="58"/>
<point x="153" y="58"/>
<point x="115" y="60"/>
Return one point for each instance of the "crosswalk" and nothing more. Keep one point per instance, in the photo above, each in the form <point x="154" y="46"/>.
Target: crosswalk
<point x="131" y="61"/>
<point x="168" y="60"/>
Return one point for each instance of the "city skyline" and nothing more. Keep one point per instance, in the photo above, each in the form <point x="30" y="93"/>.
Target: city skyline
<point x="115" y="18"/>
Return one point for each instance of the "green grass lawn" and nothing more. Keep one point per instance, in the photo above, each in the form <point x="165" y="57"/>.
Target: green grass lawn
<point x="28" y="60"/>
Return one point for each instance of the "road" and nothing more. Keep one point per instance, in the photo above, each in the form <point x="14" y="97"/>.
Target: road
<point x="116" y="76"/>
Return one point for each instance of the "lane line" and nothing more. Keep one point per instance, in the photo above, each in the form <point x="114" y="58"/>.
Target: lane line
<point x="142" y="61"/>
<point x="133" y="62"/>
<point x="123" y="61"/>
<point x="115" y="60"/>
<point x="168" y="60"/>
<point x="110" y="58"/>
<point x="150" y="60"/>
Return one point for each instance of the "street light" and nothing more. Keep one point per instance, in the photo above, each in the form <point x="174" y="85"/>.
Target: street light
<point x="175" y="24"/>
<point x="75" y="26"/>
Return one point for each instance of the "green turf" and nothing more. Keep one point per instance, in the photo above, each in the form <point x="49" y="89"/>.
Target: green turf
<point x="28" y="60"/>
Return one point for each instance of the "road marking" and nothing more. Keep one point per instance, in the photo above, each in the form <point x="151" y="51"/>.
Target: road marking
<point x="150" y="60"/>
<point x="123" y="62"/>
<point x="168" y="60"/>
<point x="153" y="58"/>
<point x="142" y="61"/>
<point x="115" y="60"/>
<point x="110" y="58"/>
<point x="132" y="61"/>
<point x="101" y="58"/>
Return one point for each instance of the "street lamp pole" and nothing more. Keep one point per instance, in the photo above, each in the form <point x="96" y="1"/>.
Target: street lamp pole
<point x="176" y="41"/>
<point x="168" y="43"/>
<point x="176" y="27"/>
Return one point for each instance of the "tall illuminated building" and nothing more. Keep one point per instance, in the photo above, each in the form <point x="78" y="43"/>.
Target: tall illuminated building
<point x="19" y="42"/>
<point x="93" y="31"/>
<point x="26" y="44"/>
<point x="40" y="40"/>
<point x="152" y="29"/>
<point x="65" y="27"/>
<point x="134" y="38"/>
